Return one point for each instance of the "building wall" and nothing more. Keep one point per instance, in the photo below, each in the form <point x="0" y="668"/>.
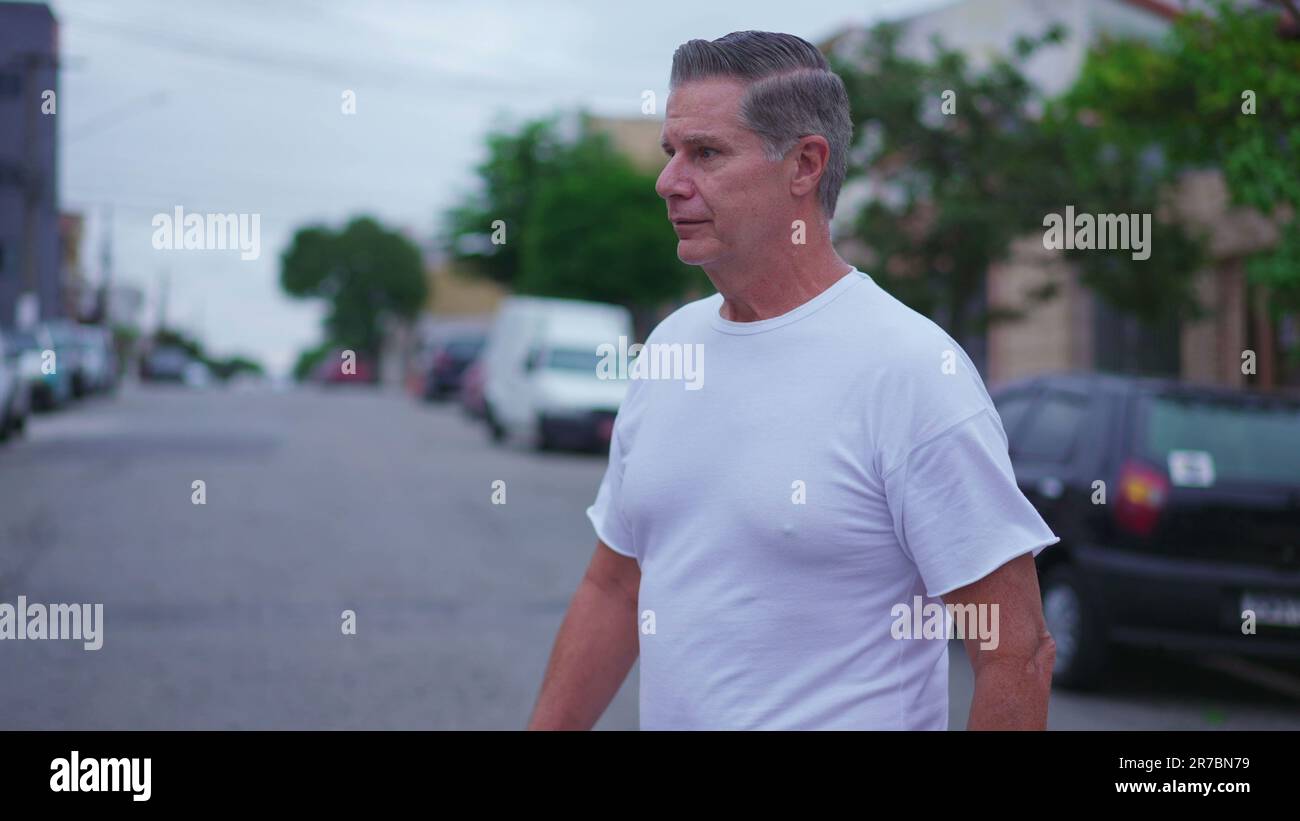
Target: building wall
<point x="1211" y="347"/>
<point x="637" y="138"/>
<point x="1051" y="335"/>
<point x="454" y="294"/>
<point x="78" y="299"/>
<point x="29" y="218"/>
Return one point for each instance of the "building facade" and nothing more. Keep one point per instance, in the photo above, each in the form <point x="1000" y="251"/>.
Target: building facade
<point x="29" y="215"/>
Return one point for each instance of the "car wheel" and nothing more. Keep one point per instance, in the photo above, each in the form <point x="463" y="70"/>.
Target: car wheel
<point x="1080" y="638"/>
<point x="541" y="441"/>
<point x="495" y="432"/>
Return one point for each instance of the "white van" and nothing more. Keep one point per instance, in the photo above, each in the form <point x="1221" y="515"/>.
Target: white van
<point x="542" y="385"/>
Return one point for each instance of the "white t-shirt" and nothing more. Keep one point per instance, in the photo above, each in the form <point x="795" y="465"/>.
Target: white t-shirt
<point x="833" y="463"/>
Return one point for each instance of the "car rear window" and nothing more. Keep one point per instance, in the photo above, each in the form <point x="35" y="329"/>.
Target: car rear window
<point x="1246" y="441"/>
<point x="1053" y="426"/>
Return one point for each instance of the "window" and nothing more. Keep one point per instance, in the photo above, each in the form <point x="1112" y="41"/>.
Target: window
<point x="1053" y="425"/>
<point x="567" y="359"/>
<point x="1012" y="410"/>
<point x="1248" y="442"/>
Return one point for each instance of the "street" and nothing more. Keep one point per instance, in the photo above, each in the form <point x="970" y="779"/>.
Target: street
<point x="228" y="614"/>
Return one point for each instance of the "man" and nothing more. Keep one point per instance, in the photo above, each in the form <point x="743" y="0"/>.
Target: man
<point x="764" y="540"/>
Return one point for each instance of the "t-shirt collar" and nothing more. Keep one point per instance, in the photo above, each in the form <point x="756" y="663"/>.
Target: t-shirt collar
<point x="808" y="308"/>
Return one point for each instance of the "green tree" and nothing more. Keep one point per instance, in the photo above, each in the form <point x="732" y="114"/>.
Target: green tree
<point x="310" y="358"/>
<point x="596" y="229"/>
<point x="229" y="366"/>
<point x="1222" y="91"/>
<point x="364" y="271"/>
<point x="959" y="167"/>
<point x="222" y="368"/>
<point x="517" y="162"/>
<point x="582" y="222"/>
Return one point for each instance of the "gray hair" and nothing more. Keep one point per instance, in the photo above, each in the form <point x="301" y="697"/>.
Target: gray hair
<point x="791" y="94"/>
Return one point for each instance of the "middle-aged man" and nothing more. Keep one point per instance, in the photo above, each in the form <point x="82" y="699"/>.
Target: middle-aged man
<point x="764" y="540"/>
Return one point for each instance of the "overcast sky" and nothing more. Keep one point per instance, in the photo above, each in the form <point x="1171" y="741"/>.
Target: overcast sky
<point x="234" y="106"/>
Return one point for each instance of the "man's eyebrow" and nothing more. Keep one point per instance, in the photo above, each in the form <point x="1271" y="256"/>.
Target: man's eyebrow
<point x="697" y="138"/>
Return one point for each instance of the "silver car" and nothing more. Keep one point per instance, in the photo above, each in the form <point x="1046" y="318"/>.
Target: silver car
<point x="15" y="390"/>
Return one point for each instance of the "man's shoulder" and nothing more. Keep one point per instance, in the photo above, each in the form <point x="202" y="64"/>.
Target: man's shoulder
<point x="917" y="379"/>
<point x="890" y="338"/>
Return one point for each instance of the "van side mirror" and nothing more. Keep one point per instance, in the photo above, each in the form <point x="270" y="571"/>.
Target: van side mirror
<point x="534" y="359"/>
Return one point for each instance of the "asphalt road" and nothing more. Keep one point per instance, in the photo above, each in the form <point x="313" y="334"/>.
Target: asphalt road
<point x="229" y="614"/>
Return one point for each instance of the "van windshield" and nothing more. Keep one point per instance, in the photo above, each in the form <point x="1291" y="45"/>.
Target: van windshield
<point x="572" y="359"/>
<point x="1245" y="441"/>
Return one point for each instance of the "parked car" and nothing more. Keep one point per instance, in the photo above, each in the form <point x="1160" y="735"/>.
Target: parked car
<point x="331" y="370"/>
<point x="15" y="394"/>
<point x="98" y="359"/>
<point x="196" y="375"/>
<point x="447" y="359"/>
<point x="1178" y="509"/>
<point x="49" y="387"/>
<point x="471" y="390"/>
<point x="542" y="383"/>
<point x="69" y="346"/>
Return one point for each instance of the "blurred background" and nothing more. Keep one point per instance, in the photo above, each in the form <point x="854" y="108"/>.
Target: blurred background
<point x="300" y="305"/>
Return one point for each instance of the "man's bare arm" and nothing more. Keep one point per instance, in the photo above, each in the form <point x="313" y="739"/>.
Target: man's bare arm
<point x="595" y="647"/>
<point x="1013" y="681"/>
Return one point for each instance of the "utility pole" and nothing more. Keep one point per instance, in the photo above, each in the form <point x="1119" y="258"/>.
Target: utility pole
<point x="104" y="295"/>
<point x="164" y="293"/>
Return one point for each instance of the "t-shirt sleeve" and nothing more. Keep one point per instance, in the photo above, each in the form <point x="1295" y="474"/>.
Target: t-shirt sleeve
<point x="606" y="512"/>
<point x="957" y="510"/>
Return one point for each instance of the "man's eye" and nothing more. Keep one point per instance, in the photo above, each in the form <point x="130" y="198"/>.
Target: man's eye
<point x="705" y="152"/>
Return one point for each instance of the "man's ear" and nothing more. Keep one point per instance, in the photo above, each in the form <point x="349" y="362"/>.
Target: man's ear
<point x="811" y="155"/>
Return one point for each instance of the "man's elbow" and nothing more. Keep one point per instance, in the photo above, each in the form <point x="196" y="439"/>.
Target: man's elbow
<point x="1032" y="656"/>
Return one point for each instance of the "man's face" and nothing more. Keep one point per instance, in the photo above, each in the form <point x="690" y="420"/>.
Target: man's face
<point x="726" y="200"/>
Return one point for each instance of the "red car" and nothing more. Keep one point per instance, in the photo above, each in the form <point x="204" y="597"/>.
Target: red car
<point x="331" y="370"/>
<point x="471" y="389"/>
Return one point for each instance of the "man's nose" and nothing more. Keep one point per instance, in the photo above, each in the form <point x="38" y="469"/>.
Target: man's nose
<point x="672" y="182"/>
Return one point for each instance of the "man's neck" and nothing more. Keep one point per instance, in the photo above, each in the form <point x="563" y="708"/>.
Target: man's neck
<point x="777" y="284"/>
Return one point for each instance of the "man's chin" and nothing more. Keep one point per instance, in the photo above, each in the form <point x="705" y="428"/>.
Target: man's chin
<point x="693" y="252"/>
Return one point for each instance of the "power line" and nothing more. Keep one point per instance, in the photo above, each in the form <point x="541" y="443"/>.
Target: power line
<point x="155" y="99"/>
<point x="243" y="56"/>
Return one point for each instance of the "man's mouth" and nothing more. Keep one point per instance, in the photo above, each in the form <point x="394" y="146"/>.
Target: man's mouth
<point x="688" y="222"/>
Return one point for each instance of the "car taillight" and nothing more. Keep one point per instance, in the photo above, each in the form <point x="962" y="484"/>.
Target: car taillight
<point x="1143" y="491"/>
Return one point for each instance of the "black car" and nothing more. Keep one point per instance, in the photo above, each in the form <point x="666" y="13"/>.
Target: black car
<point x="1178" y="508"/>
<point x="448" y="360"/>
